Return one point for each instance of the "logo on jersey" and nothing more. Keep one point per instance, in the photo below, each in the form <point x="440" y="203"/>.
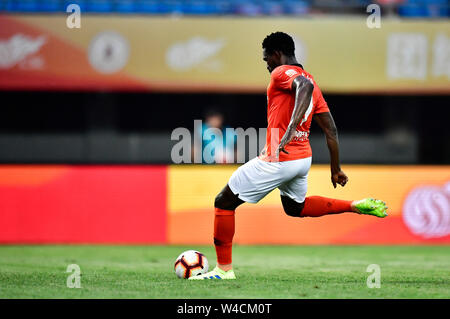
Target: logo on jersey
<point x="300" y="136"/>
<point x="291" y="73"/>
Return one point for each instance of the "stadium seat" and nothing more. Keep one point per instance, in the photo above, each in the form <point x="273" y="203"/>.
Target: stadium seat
<point x="125" y="6"/>
<point x="413" y="10"/>
<point x="248" y="8"/>
<point x="161" y="7"/>
<point x="81" y="3"/>
<point x="225" y="7"/>
<point x="148" y="6"/>
<point x="272" y="8"/>
<point x="174" y="6"/>
<point x="406" y="8"/>
<point x="437" y="8"/>
<point x="296" y="7"/>
<point x="424" y="8"/>
<point x="22" y="6"/>
<point x="51" y="6"/>
<point x="99" y="6"/>
<point x="198" y="7"/>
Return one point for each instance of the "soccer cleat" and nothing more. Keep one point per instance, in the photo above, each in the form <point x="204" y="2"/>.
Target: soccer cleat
<point x="370" y="206"/>
<point x="216" y="273"/>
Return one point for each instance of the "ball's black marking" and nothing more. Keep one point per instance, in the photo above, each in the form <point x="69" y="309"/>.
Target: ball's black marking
<point x="189" y="267"/>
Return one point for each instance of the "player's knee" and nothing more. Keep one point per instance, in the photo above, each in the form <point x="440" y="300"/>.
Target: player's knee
<point x="291" y="207"/>
<point x="218" y="201"/>
<point x="226" y="200"/>
<point x="291" y="211"/>
<point x="222" y="202"/>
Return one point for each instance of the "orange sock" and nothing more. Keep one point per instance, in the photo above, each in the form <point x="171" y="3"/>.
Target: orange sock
<point x="223" y="234"/>
<point x="316" y="206"/>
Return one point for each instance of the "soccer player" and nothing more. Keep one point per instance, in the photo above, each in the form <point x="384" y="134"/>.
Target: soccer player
<point x="293" y="100"/>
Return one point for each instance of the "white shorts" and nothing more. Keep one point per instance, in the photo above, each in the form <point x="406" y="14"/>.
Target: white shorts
<point x="257" y="178"/>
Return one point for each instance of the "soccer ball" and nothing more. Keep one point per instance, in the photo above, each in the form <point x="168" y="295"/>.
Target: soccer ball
<point x="191" y="263"/>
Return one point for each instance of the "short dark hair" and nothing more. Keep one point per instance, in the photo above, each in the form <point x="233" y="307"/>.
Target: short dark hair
<point x="279" y="41"/>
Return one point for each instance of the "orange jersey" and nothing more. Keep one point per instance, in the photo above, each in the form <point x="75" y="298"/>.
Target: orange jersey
<point x="280" y="105"/>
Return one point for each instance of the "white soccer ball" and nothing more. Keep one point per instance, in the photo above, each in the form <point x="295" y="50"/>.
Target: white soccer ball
<point x="191" y="263"/>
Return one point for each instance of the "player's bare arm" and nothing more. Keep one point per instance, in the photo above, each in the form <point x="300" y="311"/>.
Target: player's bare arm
<point x="303" y="91"/>
<point x="326" y="122"/>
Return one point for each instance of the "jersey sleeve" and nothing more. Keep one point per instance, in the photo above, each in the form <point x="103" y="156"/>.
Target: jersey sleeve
<point x="283" y="77"/>
<point x="321" y="105"/>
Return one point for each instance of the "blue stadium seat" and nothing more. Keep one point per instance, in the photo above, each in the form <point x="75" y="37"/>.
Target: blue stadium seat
<point x="424" y="8"/>
<point x="409" y="8"/>
<point x="22" y="6"/>
<point x="148" y="6"/>
<point x="437" y="8"/>
<point x="99" y="6"/>
<point x="272" y="7"/>
<point x="160" y="7"/>
<point x="174" y="6"/>
<point x="248" y="8"/>
<point x="412" y="10"/>
<point x="201" y="7"/>
<point x="81" y="3"/>
<point x="298" y="7"/>
<point x="51" y="6"/>
<point x="125" y="6"/>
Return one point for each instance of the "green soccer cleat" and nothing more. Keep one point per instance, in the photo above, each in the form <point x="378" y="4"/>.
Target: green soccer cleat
<point x="216" y="273"/>
<point x="370" y="206"/>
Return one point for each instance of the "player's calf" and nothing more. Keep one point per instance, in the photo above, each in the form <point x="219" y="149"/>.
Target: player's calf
<point x="316" y="206"/>
<point x="225" y="204"/>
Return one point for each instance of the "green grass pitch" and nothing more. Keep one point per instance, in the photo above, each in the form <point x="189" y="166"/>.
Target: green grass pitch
<point x="262" y="271"/>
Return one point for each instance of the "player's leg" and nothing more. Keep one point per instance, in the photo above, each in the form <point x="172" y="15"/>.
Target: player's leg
<point x="225" y="205"/>
<point x="316" y="206"/>
<point x="249" y="183"/>
<point x="296" y="204"/>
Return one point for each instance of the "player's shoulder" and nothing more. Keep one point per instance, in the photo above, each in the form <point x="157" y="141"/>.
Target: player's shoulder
<point x="290" y="71"/>
<point x="287" y="69"/>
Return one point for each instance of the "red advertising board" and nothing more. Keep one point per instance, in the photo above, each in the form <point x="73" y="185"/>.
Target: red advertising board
<point x="82" y="204"/>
